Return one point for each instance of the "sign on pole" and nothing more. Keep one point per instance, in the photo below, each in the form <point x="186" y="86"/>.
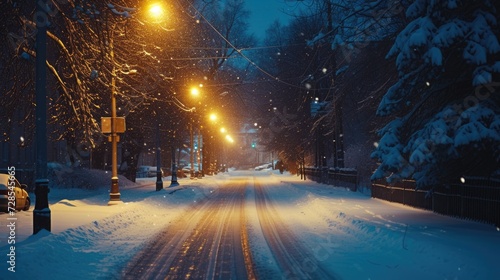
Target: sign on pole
<point x="119" y="125"/>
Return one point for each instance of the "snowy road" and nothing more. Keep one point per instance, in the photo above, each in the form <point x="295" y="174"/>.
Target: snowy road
<point x="207" y="243"/>
<point x="212" y="241"/>
<point x="245" y="225"/>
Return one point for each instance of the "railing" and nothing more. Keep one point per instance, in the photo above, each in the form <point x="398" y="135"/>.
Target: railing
<point x="342" y="177"/>
<point x="475" y="198"/>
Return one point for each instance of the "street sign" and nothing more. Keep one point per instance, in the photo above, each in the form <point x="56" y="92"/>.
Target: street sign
<point x="106" y="125"/>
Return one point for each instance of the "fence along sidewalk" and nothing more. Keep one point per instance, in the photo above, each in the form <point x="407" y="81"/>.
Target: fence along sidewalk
<point x="475" y="198"/>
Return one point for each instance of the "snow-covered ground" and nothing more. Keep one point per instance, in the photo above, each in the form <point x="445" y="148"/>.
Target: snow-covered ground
<point x="356" y="236"/>
<point x="359" y="237"/>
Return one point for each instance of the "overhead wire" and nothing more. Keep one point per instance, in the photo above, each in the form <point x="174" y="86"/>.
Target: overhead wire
<point x="239" y="51"/>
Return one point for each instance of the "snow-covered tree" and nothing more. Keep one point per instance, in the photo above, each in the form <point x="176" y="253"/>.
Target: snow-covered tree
<point x="445" y="103"/>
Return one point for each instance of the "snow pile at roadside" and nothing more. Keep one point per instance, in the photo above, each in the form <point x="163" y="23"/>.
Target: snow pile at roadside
<point x="62" y="176"/>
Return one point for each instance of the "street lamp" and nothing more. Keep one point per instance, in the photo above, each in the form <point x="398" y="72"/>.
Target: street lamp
<point x="159" y="182"/>
<point x="156" y="12"/>
<point x="195" y="92"/>
<point x="117" y="125"/>
<point x="191" y="138"/>
<point x="223" y="155"/>
<point x="113" y="125"/>
<point x="213" y="117"/>
<point x="221" y="151"/>
<point x="209" y="150"/>
<point x="173" y="180"/>
<point x="41" y="214"/>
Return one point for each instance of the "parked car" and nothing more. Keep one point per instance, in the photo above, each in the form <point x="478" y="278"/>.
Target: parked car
<point x="187" y="168"/>
<point x="263" y="167"/>
<point x="145" y="171"/>
<point x="23" y="201"/>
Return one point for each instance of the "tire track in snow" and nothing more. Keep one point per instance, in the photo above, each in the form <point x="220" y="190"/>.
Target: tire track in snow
<point x="209" y="242"/>
<point x="295" y="261"/>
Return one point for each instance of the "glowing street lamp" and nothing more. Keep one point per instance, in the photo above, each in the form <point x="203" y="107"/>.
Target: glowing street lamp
<point x="195" y="92"/>
<point x="229" y="138"/>
<point x="223" y="156"/>
<point x="156" y="11"/>
<point x="213" y="117"/>
<point x="117" y="125"/>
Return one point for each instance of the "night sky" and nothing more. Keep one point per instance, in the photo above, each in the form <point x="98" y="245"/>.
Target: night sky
<point x="265" y="12"/>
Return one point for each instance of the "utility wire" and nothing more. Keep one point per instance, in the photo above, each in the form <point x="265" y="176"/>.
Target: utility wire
<point x="239" y="51"/>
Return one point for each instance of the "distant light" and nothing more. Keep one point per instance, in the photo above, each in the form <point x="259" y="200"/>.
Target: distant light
<point x="462" y="179"/>
<point x="195" y="92"/>
<point x="255" y="124"/>
<point x="324" y="70"/>
<point x="375" y="144"/>
<point x="428" y="84"/>
<point x="21" y="138"/>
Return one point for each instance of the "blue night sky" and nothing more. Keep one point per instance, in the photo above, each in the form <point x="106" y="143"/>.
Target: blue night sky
<point x="265" y="12"/>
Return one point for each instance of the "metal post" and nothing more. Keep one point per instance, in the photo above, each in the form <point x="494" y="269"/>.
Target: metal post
<point x="114" y="195"/>
<point x="195" y="139"/>
<point x="41" y="214"/>
<point x="159" y="182"/>
<point x="173" y="181"/>
<point x="199" y="154"/>
<point x="192" y="149"/>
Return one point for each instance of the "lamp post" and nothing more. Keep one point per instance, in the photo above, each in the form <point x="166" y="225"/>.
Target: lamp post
<point x="173" y="181"/>
<point x="159" y="182"/>
<point x="41" y="214"/>
<point x="114" y="194"/>
<point x="118" y="124"/>
<point x="192" y="149"/>
<point x="223" y="156"/>
<point x="199" y="147"/>
<point x="173" y="164"/>
<point x="195" y="92"/>
<point x="209" y="150"/>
